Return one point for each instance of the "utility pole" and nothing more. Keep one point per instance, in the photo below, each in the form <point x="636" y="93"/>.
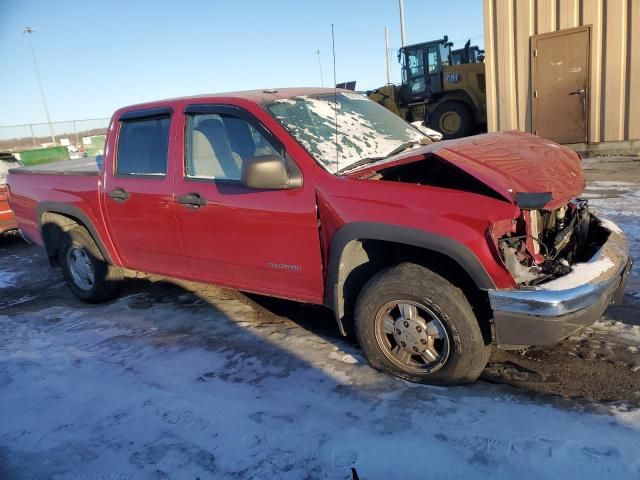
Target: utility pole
<point x="402" y="36"/>
<point x="386" y="49"/>
<point x="320" y="65"/>
<point x="28" y="30"/>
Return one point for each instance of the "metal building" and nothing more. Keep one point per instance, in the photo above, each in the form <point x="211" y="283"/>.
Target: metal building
<point x="568" y="70"/>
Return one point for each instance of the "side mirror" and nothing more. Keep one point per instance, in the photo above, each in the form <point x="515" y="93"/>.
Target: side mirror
<point x="270" y="172"/>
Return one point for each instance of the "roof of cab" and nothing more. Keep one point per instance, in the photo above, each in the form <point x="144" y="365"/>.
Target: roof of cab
<point x="256" y="96"/>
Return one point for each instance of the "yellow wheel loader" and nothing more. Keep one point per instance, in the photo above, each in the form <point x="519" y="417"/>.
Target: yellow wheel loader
<point x="445" y="91"/>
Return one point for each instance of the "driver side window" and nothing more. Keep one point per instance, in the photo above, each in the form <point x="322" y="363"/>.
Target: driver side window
<point x="415" y="62"/>
<point x="218" y="144"/>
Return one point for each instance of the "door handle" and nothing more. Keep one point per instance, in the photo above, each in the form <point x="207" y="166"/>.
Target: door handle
<point x="119" y="194"/>
<point x="192" y="200"/>
<point x="577" y="92"/>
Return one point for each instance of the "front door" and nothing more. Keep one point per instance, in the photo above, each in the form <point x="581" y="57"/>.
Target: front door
<point x="560" y="85"/>
<point x="138" y="194"/>
<point x="414" y="75"/>
<point x="265" y="241"/>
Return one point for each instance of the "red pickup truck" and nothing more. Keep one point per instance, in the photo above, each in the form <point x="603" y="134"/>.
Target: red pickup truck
<point x="431" y="252"/>
<point x="7" y="218"/>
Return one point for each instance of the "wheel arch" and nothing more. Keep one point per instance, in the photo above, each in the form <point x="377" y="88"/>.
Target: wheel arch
<point x="55" y="218"/>
<point x="351" y="264"/>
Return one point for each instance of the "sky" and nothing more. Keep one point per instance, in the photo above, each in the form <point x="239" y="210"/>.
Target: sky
<point x="96" y="56"/>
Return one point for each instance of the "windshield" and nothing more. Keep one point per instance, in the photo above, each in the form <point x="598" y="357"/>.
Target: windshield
<point x="5" y="165"/>
<point x="365" y="129"/>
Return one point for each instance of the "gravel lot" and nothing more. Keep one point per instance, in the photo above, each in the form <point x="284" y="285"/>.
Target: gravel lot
<point x="182" y="380"/>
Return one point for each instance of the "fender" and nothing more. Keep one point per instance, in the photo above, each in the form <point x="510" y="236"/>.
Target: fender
<point x="75" y="213"/>
<point x="456" y="251"/>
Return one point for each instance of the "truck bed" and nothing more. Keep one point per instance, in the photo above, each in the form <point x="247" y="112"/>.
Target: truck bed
<point x="70" y="188"/>
<point x="79" y="166"/>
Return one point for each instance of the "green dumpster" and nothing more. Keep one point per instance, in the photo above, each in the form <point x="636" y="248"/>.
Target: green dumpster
<point x="44" y="155"/>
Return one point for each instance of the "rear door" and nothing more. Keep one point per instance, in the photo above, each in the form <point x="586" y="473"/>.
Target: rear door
<point x="265" y="241"/>
<point x="560" y="84"/>
<point x="138" y="194"/>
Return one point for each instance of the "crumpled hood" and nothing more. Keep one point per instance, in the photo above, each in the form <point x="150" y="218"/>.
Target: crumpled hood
<point x="529" y="171"/>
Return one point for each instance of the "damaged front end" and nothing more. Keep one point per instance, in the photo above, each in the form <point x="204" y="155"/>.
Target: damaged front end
<point x="569" y="266"/>
<point x="541" y="245"/>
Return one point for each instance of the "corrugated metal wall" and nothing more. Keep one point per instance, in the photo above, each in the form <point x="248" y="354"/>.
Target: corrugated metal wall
<point x="615" y="61"/>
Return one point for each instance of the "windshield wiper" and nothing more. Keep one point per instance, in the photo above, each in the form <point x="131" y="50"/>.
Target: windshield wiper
<point x="358" y="163"/>
<point x="400" y="148"/>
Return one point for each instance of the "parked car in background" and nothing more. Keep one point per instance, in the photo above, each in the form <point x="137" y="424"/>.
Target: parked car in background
<point x="432" y="251"/>
<point x="7" y="218"/>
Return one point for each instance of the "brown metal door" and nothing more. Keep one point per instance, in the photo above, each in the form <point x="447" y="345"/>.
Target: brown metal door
<point x="560" y="85"/>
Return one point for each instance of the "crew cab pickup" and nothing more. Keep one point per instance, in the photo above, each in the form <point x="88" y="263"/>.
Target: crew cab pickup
<point x="431" y="253"/>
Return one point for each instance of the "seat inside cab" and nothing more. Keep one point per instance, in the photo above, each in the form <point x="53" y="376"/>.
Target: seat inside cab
<point x="220" y="143"/>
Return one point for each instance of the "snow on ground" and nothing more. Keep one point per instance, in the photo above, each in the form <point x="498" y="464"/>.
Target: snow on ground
<point x="8" y="278"/>
<point x="620" y="202"/>
<point x="200" y="388"/>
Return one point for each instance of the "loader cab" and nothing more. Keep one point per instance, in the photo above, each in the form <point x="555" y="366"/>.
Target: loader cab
<point x="422" y="66"/>
<point x="468" y="54"/>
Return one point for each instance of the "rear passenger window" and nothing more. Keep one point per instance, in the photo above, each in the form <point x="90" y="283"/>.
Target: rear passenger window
<point x="142" y="146"/>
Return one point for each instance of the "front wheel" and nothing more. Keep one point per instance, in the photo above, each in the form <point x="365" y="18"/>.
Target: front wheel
<point x="86" y="272"/>
<point x="414" y="324"/>
<point x="452" y="119"/>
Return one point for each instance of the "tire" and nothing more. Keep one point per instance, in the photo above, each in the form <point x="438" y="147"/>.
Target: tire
<point x="87" y="274"/>
<point x="451" y="347"/>
<point x="452" y="119"/>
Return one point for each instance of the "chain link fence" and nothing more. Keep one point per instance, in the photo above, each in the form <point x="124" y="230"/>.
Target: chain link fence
<point x="16" y="138"/>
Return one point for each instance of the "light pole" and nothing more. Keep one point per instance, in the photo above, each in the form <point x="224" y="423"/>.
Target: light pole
<point x="320" y="64"/>
<point x="386" y="49"/>
<point x="28" y="30"/>
<point x="402" y="37"/>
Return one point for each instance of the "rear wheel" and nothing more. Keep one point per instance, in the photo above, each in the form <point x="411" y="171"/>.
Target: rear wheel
<point x="86" y="272"/>
<point x="452" y="119"/>
<point x="414" y="324"/>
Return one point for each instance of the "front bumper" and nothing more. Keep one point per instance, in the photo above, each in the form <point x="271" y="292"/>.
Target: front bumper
<point x="548" y="313"/>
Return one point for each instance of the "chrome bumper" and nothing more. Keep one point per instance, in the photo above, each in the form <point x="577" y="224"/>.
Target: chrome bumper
<point x="547" y="313"/>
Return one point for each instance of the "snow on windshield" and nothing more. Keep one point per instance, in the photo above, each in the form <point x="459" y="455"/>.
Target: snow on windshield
<point x="364" y="128"/>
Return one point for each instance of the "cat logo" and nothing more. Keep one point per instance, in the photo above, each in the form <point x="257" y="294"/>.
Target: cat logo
<point x="453" y="77"/>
